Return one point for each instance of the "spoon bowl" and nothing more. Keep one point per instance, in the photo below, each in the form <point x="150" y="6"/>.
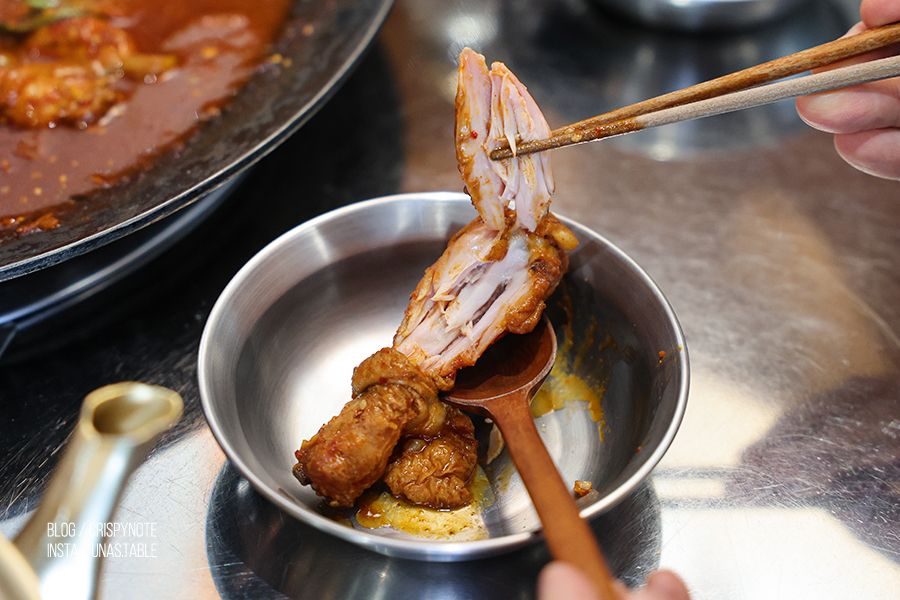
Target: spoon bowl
<point x="516" y="363"/>
<point x="501" y="384"/>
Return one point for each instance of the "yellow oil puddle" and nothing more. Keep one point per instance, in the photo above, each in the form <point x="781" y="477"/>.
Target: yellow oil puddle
<point x="381" y="509"/>
<point x="564" y="388"/>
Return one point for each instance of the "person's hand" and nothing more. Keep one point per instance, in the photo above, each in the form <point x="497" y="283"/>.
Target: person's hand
<point x="865" y="118"/>
<point x="563" y="581"/>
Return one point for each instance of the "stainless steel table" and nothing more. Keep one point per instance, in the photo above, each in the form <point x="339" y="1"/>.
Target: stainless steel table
<point x="782" y="263"/>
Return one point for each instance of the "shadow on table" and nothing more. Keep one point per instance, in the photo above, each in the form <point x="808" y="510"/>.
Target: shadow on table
<point x="258" y="551"/>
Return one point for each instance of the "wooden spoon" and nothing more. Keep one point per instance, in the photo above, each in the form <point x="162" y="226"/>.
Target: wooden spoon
<point x="501" y="385"/>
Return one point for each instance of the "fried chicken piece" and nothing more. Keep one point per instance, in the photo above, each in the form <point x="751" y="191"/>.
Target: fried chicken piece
<point x="64" y="74"/>
<point x="69" y="73"/>
<point x="496" y="273"/>
<point x="582" y="488"/>
<point x="493" y="279"/>
<point x="436" y="471"/>
<point x="49" y="94"/>
<point x="95" y="41"/>
<point x="484" y="285"/>
<point x="391" y="397"/>
<point x="81" y="39"/>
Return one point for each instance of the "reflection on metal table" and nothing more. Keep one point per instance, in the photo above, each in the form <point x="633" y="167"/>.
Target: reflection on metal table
<point x="779" y="260"/>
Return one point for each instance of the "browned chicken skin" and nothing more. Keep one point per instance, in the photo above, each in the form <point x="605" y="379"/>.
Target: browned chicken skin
<point x="436" y="471"/>
<point x="391" y="397"/>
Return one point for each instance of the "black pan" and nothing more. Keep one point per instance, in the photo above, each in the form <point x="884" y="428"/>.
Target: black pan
<point x="265" y="112"/>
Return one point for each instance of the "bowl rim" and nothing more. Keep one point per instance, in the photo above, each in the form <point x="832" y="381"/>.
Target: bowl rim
<point x="424" y="550"/>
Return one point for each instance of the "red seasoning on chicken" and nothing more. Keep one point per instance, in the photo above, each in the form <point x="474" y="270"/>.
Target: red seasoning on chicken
<point x="492" y="279"/>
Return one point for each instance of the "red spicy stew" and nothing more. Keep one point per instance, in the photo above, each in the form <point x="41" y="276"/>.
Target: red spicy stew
<point x="89" y="98"/>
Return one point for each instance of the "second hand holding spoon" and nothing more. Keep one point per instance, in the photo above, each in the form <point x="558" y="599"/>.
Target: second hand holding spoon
<point x="501" y="385"/>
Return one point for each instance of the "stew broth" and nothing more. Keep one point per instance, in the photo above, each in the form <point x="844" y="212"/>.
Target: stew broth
<point x="218" y="43"/>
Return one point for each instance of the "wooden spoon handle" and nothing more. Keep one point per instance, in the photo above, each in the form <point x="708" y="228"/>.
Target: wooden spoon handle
<point x="568" y="536"/>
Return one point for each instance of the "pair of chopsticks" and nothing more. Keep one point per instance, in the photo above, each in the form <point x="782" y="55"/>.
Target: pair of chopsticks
<point x="736" y="91"/>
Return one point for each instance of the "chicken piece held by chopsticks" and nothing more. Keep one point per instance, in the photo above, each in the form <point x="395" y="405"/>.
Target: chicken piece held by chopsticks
<point x="492" y="279"/>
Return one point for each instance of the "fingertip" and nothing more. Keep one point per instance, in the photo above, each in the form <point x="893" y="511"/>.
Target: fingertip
<point x="666" y="585"/>
<point x="875" y="13"/>
<point x="858" y="28"/>
<point x="865" y="107"/>
<point x="563" y="581"/>
<point x="804" y="110"/>
<point x="826" y="112"/>
<point x="875" y="152"/>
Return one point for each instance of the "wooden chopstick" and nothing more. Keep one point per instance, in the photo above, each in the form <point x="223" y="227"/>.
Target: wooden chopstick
<point x="625" y="120"/>
<point x="882" y="68"/>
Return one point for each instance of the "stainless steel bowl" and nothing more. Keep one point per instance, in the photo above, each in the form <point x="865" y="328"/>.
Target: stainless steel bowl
<point x="280" y="344"/>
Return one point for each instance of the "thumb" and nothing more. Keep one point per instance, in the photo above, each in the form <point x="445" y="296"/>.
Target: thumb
<point x="662" y="585"/>
<point x="564" y="581"/>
